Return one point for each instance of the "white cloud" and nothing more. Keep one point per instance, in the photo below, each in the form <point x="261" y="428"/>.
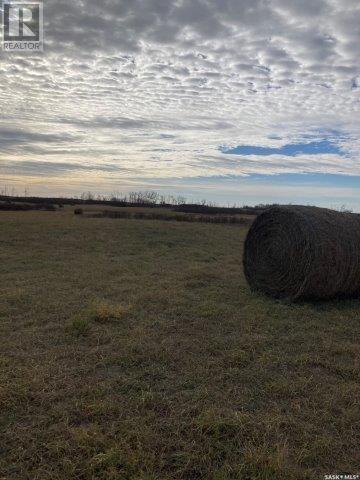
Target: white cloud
<point x="153" y="87"/>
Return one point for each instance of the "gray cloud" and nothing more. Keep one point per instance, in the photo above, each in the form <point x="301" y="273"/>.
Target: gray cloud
<point x="17" y="137"/>
<point x="53" y="168"/>
<point x="146" y="124"/>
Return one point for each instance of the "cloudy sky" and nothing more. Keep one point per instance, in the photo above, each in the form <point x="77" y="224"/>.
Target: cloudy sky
<point x="242" y="101"/>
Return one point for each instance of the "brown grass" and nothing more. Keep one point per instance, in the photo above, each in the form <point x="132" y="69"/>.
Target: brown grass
<point x="134" y="350"/>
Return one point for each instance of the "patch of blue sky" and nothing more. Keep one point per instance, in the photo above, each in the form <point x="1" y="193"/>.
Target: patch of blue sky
<point x="317" y="142"/>
<point x="289" y="150"/>
<point x="309" y="179"/>
<point x="326" y="190"/>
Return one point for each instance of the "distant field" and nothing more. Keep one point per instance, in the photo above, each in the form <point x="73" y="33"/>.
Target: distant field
<point x="134" y="349"/>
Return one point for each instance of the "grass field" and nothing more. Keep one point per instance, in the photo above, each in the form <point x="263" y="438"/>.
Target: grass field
<point x="134" y="350"/>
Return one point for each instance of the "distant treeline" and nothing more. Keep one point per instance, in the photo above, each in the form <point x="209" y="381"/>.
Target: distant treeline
<point x="213" y="210"/>
<point x="134" y="199"/>
<point x="12" y="206"/>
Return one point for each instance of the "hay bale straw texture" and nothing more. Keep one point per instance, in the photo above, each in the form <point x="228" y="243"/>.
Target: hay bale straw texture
<point x="299" y="252"/>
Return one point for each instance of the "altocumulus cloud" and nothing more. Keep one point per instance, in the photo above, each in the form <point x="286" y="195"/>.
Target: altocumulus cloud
<point x="133" y="90"/>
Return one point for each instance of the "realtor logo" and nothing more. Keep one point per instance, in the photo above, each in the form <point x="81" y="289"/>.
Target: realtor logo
<point x="22" y="26"/>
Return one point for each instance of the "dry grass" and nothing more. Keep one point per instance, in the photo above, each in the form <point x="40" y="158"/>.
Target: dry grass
<point x="101" y="312"/>
<point x="135" y="350"/>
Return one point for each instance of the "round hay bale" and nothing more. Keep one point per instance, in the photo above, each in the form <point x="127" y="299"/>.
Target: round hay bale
<point x="299" y="252"/>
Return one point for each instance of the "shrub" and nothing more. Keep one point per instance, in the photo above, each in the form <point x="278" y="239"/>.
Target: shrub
<point x="222" y="219"/>
<point x="49" y="207"/>
<point x="80" y="326"/>
<point x="78" y="211"/>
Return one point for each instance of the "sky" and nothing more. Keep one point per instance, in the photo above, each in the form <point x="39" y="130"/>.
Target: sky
<point x="233" y="101"/>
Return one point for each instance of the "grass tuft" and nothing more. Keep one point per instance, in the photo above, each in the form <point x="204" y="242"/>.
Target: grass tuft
<point x="80" y="326"/>
<point x="105" y="312"/>
<point x="100" y="312"/>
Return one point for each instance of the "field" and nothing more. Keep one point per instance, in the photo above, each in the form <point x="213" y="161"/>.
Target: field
<point x="134" y="349"/>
